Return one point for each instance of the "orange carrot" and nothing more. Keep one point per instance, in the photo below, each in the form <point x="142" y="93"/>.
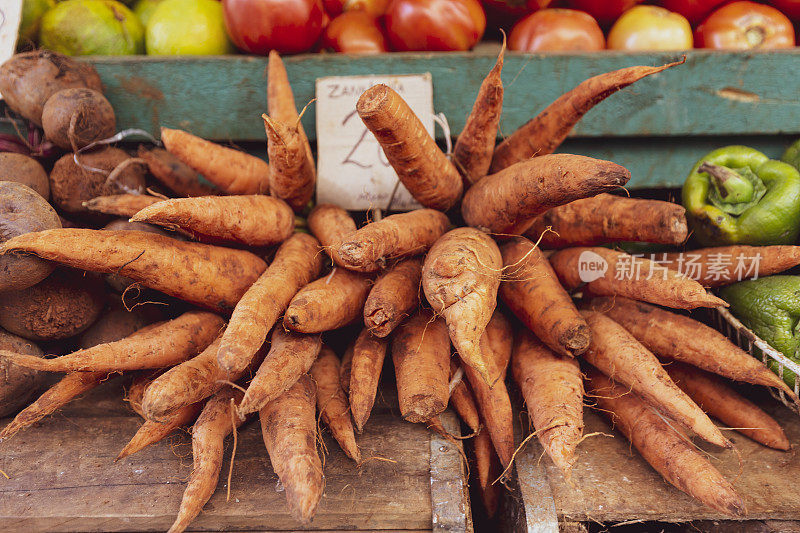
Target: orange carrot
<point x="606" y="218"/>
<point x="289" y="357"/>
<point x="617" y="354"/>
<point x="421" y="355"/>
<point x="291" y="172"/>
<point x="421" y="166"/>
<point x="401" y="235"/>
<point x="489" y="469"/>
<point x="232" y="171"/>
<point x="289" y="428"/>
<point x="393" y="297"/>
<point x="346" y="367"/>
<point x="473" y="151"/>
<point x="151" y="432"/>
<point x="543" y="134"/>
<point x="296" y="262"/>
<point x="215" y="422"/>
<point x="553" y="389"/>
<point x="668" y="452"/>
<point x="508" y="201"/>
<point x="460" y="276"/>
<point x="679" y="337"/>
<point x="629" y="276"/>
<point x="532" y="291"/>
<point x="715" y="267"/>
<point x="463" y="401"/>
<point x="365" y="374"/>
<point x="209" y="276"/>
<point x="729" y="407"/>
<point x="332" y="402"/>
<point x="185" y="337"/>
<point x="280" y="99"/>
<point x="330" y="225"/>
<point x="121" y="205"/>
<point x="179" y="177"/>
<point x="328" y="303"/>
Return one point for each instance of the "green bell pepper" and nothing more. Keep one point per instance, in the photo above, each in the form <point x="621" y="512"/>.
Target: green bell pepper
<point x="770" y="307"/>
<point x="792" y="155"/>
<point x="737" y="195"/>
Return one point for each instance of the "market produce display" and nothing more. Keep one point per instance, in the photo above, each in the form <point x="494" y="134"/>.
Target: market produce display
<point x="510" y="263"/>
<point x="212" y="27"/>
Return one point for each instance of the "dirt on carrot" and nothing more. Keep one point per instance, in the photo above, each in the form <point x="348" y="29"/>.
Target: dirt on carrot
<point x="291" y="173"/>
<point x="365" y="374"/>
<point x="394" y="296"/>
<point x="345" y="369"/>
<point x="463" y="400"/>
<point x="330" y="224"/>
<point x="121" y="205"/>
<point x="151" y="432"/>
<point x="742" y="262"/>
<point x="176" y="175"/>
<point x="280" y="99"/>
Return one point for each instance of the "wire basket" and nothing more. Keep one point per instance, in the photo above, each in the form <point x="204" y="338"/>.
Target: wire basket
<point x="739" y="334"/>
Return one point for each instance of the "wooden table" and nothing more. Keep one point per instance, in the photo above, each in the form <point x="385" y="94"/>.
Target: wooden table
<point x="63" y="478"/>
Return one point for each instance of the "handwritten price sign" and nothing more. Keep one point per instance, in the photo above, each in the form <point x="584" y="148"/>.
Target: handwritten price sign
<point x="10" y="16"/>
<point x="352" y="168"/>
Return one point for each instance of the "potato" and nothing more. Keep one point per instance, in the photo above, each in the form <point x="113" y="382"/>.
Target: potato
<point x="17" y="383"/>
<point x="61" y="306"/>
<point x="115" y="324"/>
<point x="84" y="111"/>
<point x="27" y="80"/>
<point x="25" y="170"/>
<point x="71" y="185"/>
<point x="22" y="210"/>
<point x="115" y="281"/>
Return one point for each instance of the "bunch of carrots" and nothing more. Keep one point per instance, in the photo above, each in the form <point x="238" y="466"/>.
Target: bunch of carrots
<point x="254" y="341"/>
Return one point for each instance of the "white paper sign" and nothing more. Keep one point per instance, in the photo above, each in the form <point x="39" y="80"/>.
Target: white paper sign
<point x="353" y="172"/>
<point x="10" y="17"/>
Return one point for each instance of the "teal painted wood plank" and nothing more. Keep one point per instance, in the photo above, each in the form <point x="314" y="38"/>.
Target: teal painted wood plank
<point x="714" y="93"/>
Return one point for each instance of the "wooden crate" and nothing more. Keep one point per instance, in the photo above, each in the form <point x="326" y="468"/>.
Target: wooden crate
<point x="657" y="128"/>
<point x="63" y="478"/>
<point x="613" y="484"/>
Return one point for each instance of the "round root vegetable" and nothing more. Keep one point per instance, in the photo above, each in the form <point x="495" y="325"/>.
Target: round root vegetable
<point x="205" y="275"/>
<point x="332" y="402"/>
<point x="115" y="323"/>
<point x="671" y="454"/>
<point x="606" y="218"/>
<point x="290" y="356"/>
<point x="507" y="202"/>
<point x="25" y="170"/>
<point x="328" y="303"/>
<point x="726" y="405"/>
<point x="401" y="235"/>
<point x="629" y="276"/>
<point x="151" y="432"/>
<point x="346" y="367"/>
<point x="176" y="175"/>
<point x="291" y="172"/>
<point x="368" y="354"/>
<point x="215" y="422"/>
<point x="738" y="263"/>
<point x="156" y="346"/>
<point x="421" y="166"/>
<point x="493" y="402"/>
<point x="280" y="99"/>
<point x="121" y="205"/>
<point x="232" y="171"/>
<point x="104" y="172"/>
<point x="29" y="79"/>
<point x="489" y="470"/>
<point x="330" y="224"/>
<point x="62" y="306"/>
<point x="472" y="153"/>
<point x="22" y="211"/>
<point x="77" y="117"/>
<point x="70" y="387"/>
<point x="543" y="134"/>
<point x="463" y="401"/>
<point x="296" y="262"/>
<point x="254" y="220"/>
<point x="681" y="338"/>
<point x="533" y="293"/>
<point x="460" y="276"/>
<point x="552" y="386"/>
<point x="289" y="429"/>
<point x="617" y="354"/>
<point x="393" y="297"/>
<point x="421" y="355"/>
<point x="17" y="383"/>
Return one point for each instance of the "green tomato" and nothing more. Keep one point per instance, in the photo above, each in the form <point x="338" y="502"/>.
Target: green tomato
<point x="187" y="27"/>
<point x="92" y="27"/>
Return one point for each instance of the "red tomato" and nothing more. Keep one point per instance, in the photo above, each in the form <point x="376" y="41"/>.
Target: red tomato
<point x="333" y="7"/>
<point x="650" y="28"/>
<point x="605" y="11"/>
<point x="790" y="8"/>
<point x="287" y="26"/>
<point x="557" y="30"/>
<point x="376" y="8"/>
<point x="354" y="32"/>
<point x="745" y="25"/>
<point x="513" y="9"/>
<point x="434" y="25"/>
<point x="693" y="10"/>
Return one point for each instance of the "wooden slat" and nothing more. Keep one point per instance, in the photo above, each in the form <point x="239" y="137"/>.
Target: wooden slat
<point x="63" y="478"/>
<point x="451" y="507"/>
